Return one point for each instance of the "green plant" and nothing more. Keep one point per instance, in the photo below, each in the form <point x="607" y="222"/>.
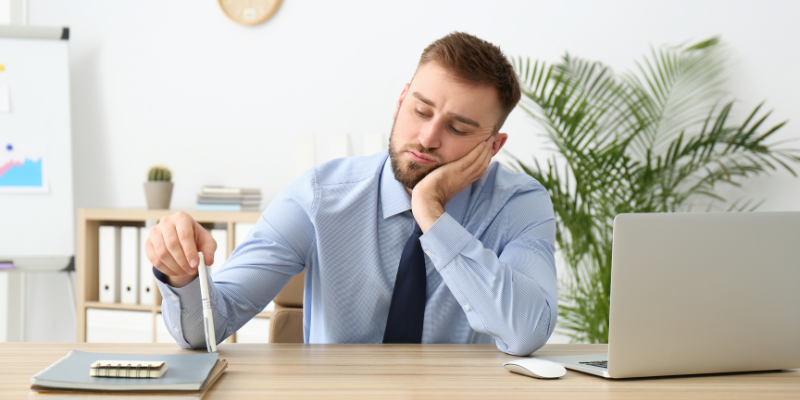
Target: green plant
<point x="159" y="173"/>
<point x="659" y="139"/>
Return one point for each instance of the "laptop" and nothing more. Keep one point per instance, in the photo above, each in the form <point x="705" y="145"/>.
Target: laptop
<point x="701" y="293"/>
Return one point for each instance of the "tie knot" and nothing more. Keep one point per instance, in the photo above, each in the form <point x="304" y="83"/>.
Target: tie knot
<point x="417" y="229"/>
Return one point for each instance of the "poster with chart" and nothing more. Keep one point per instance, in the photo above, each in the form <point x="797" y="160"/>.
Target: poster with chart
<point x="22" y="168"/>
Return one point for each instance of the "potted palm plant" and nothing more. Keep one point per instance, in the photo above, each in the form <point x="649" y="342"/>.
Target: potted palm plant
<point x="158" y="188"/>
<point x="659" y="139"/>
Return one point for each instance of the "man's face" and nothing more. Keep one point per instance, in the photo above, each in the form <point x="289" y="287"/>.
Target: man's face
<point x="438" y="120"/>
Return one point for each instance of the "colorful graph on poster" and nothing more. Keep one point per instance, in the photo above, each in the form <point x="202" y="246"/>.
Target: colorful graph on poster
<point x="22" y="168"/>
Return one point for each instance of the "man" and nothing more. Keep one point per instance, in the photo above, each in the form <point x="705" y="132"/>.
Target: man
<point x="478" y="265"/>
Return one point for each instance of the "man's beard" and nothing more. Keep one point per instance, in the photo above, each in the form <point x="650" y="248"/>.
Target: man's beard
<point x="406" y="171"/>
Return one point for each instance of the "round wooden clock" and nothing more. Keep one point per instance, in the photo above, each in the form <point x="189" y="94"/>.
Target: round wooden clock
<point x="249" y="12"/>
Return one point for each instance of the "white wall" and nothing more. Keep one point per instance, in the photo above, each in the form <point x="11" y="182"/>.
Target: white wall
<point x="5" y="11"/>
<point x="178" y="83"/>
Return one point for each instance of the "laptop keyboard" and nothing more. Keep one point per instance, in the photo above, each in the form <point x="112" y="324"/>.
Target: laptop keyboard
<point x="598" y="364"/>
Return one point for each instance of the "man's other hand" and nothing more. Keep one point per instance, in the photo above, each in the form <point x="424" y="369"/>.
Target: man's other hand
<point x="173" y="244"/>
<point x="435" y="190"/>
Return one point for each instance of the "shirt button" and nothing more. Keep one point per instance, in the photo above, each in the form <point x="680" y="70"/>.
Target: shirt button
<point x="467" y="308"/>
<point x="175" y="328"/>
<point x="174" y="297"/>
<point x="428" y="252"/>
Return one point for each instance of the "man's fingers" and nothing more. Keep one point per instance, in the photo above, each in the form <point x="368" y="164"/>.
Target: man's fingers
<point x="206" y="244"/>
<point x="156" y="261"/>
<point x="469" y="160"/>
<point x="151" y="254"/>
<point x="173" y="244"/>
<point x="185" y="229"/>
<point x="477" y="160"/>
<point x="456" y="175"/>
<point x="159" y="255"/>
<point x="485" y="163"/>
<point x="478" y="167"/>
<point x="489" y="152"/>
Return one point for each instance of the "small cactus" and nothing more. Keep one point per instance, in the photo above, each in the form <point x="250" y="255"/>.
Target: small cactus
<point x="159" y="173"/>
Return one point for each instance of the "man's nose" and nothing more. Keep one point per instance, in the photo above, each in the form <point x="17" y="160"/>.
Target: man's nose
<point x="430" y="137"/>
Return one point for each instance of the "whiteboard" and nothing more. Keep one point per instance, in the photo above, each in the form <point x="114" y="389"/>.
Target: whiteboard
<point x="37" y="228"/>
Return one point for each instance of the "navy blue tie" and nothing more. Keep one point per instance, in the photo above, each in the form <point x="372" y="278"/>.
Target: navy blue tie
<point x="407" y="310"/>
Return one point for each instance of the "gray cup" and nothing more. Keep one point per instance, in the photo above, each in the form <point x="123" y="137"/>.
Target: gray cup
<point x="158" y="194"/>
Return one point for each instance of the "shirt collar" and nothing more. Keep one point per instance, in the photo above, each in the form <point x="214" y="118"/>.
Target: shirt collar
<point x="395" y="199"/>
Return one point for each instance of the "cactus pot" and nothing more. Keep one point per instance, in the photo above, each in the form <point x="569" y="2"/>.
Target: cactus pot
<point x="158" y="194"/>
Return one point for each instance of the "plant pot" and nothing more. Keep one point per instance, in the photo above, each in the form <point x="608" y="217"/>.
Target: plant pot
<point x="158" y="194"/>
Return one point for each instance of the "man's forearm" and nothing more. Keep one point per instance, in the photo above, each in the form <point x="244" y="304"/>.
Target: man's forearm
<point x="516" y="306"/>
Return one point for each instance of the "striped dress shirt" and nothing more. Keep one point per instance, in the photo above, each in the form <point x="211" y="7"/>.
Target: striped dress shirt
<point x="489" y="258"/>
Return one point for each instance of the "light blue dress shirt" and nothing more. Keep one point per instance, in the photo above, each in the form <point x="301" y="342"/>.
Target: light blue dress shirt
<point x="490" y="267"/>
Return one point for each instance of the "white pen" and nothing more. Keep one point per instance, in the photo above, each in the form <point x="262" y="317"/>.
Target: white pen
<point x="208" y="316"/>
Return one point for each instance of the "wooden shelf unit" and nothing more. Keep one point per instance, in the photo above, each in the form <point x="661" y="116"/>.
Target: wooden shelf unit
<point x="87" y="262"/>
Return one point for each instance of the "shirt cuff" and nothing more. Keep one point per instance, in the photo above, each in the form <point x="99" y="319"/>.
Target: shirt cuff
<point x="160" y="275"/>
<point x="172" y="294"/>
<point x="171" y="304"/>
<point x="444" y="241"/>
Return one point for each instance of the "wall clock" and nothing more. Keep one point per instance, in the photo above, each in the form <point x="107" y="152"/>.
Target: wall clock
<point x="249" y="12"/>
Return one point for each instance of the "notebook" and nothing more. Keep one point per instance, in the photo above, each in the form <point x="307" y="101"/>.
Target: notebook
<point x="74" y="394"/>
<point x="187" y="372"/>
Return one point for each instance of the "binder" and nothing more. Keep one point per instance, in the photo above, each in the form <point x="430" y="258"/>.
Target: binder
<point x="129" y="264"/>
<point x="146" y="278"/>
<point x="109" y="258"/>
<point x="221" y="255"/>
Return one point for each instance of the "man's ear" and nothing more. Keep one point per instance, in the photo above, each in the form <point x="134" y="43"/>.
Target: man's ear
<point x="499" y="141"/>
<point x="400" y="101"/>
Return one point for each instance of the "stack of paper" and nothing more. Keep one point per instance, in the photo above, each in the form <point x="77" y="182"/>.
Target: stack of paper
<point x="218" y="198"/>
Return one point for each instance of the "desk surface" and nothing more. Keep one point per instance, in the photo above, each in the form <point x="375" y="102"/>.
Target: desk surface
<point x="258" y="371"/>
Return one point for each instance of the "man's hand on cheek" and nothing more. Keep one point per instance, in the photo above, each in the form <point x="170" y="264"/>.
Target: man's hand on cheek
<point x="435" y="190"/>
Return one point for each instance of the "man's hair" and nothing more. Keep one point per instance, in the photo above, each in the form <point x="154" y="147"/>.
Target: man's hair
<point x="477" y="61"/>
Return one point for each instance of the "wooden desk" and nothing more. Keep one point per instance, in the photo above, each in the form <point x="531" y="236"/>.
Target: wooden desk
<point x="259" y="371"/>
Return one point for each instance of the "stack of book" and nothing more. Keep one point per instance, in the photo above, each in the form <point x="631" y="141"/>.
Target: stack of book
<point x="218" y="198"/>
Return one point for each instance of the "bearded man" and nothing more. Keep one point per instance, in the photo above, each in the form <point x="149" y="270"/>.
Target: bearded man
<point x="427" y="242"/>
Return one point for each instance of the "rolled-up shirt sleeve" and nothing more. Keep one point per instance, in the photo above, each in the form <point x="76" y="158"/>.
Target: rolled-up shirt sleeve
<point x="509" y="292"/>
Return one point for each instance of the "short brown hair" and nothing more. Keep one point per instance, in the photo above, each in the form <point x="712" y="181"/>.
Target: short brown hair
<point x="476" y="61"/>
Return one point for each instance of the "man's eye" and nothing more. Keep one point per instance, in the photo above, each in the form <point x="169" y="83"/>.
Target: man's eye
<point x="420" y="113"/>
<point x="456" y="131"/>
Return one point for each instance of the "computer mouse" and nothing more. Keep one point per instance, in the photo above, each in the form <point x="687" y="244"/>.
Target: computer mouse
<point x="536" y="367"/>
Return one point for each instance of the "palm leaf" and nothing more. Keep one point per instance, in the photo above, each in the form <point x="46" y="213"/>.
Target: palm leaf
<point x="650" y="140"/>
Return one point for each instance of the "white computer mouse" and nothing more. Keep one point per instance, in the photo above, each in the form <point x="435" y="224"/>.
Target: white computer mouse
<point x="536" y="367"/>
